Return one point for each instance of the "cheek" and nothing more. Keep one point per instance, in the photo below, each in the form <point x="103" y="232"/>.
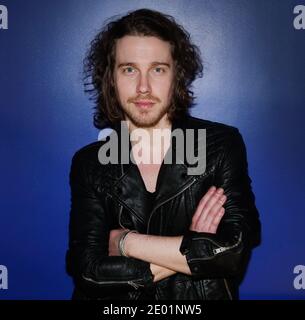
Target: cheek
<point x="163" y="88"/>
<point x="124" y="87"/>
<point x="122" y="82"/>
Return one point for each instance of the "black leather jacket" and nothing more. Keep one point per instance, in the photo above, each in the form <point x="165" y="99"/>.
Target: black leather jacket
<point x="106" y="197"/>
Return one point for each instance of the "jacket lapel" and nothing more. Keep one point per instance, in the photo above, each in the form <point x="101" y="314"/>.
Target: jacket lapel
<point x="172" y="179"/>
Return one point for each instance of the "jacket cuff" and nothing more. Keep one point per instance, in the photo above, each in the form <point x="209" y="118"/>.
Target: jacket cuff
<point x="207" y="255"/>
<point x="125" y="275"/>
<point x="186" y="243"/>
<point x="145" y="277"/>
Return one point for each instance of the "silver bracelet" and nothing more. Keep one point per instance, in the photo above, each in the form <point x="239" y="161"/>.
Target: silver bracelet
<point x="122" y="240"/>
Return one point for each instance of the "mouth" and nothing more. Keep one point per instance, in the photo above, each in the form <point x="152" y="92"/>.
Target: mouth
<point x="144" y="104"/>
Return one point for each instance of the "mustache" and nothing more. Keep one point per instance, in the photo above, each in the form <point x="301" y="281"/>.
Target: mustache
<point x="146" y="98"/>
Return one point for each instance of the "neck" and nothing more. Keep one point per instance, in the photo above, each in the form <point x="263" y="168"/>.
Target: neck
<point x="153" y="141"/>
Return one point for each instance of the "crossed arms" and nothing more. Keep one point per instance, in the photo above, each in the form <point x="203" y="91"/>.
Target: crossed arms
<point x="163" y="255"/>
<point x="213" y="247"/>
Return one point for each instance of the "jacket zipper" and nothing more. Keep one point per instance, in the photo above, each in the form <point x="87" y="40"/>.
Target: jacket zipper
<point x="120" y="214"/>
<point x="222" y="249"/>
<point x="168" y="199"/>
<point x="214" y="250"/>
<point x="228" y="290"/>
<point x="124" y="205"/>
<point x="130" y="282"/>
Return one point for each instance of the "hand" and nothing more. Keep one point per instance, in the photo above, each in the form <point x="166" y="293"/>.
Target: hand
<point x="160" y="272"/>
<point x="209" y="211"/>
<point x="113" y="245"/>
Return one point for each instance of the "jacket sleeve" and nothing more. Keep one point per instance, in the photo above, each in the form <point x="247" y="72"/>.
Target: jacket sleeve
<point x="223" y="254"/>
<point x="87" y="260"/>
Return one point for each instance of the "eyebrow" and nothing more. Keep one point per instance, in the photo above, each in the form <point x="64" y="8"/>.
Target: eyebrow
<point x="155" y="63"/>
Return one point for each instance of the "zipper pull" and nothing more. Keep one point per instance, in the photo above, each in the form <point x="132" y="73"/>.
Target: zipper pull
<point x="133" y="284"/>
<point x="219" y="250"/>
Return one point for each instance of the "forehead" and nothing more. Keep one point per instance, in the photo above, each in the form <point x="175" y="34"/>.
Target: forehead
<point x="142" y="49"/>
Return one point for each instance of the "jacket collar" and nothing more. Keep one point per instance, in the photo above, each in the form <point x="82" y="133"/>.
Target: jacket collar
<point x="172" y="180"/>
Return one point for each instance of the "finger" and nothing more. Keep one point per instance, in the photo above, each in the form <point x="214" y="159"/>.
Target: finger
<point x="202" y="203"/>
<point x="207" y="217"/>
<point x="210" y="203"/>
<point x="204" y="200"/>
<point x="207" y="196"/>
<point x="216" y="221"/>
<point x="214" y="211"/>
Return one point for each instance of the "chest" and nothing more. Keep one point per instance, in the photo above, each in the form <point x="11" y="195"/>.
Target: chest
<point x="149" y="174"/>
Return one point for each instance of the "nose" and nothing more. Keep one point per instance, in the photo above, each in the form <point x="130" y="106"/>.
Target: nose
<point x="143" y="83"/>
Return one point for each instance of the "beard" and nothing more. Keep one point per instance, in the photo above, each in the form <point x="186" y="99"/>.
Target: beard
<point x="145" y="118"/>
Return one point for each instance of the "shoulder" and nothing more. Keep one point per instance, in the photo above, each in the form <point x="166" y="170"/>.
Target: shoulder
<point x="222" y="140"/>
<point x="86" y="167"/>
<point x="213" y="126"/>
<point x="88" y="152"/>
<point x="86" y="161"/>
<point x="215" y="131"/>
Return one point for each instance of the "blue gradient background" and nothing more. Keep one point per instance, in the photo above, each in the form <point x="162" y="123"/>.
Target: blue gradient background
<point x="254" y="79"/>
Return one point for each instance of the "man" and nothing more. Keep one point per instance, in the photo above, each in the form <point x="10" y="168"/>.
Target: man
<point x="152" y="230"/>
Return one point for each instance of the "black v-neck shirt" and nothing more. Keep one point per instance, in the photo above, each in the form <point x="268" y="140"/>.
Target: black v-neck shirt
<point x="151" y="198"/>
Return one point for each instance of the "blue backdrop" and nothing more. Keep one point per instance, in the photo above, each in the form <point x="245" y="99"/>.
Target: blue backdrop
<point x="254" y="79"/>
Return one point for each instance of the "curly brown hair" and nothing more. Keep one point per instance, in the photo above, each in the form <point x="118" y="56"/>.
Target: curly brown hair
<point x="100" y="61"/>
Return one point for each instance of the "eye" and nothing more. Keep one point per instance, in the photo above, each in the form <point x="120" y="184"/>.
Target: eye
<point x="159" y="70"/>
<point x="128" y="70"/>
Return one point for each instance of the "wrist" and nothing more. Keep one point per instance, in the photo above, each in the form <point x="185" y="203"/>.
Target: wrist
<point x="122" y="244"/>
<point x="128" y="243"/>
